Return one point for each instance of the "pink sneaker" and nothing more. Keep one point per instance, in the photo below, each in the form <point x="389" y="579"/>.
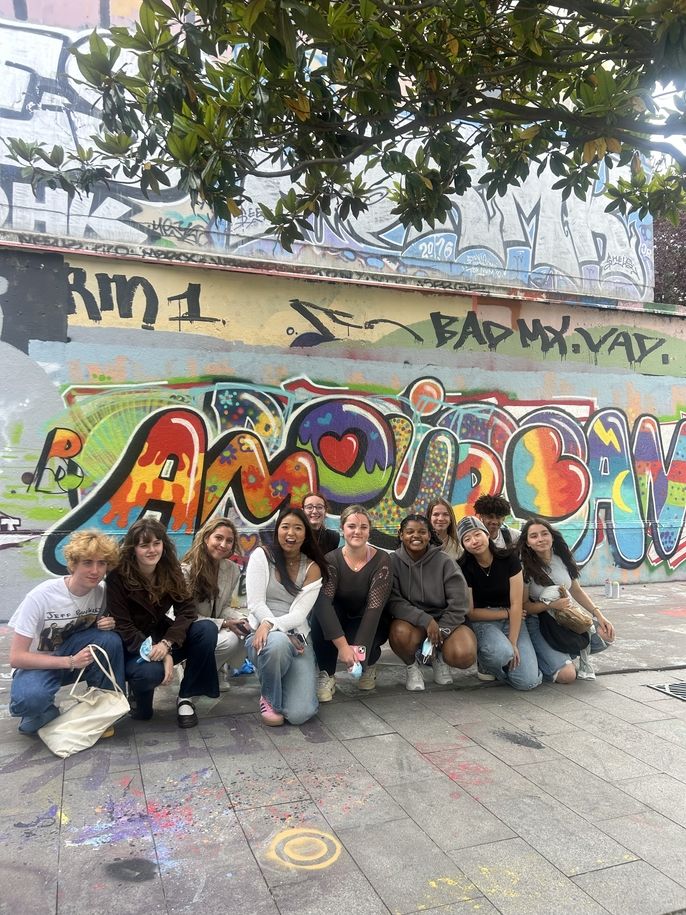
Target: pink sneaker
<point x="269" y="716"/>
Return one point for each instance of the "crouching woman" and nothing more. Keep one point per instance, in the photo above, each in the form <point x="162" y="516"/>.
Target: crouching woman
<point x="141" y="591"/>
<point x="53" y="627"/>
<point x="282" y="583"/>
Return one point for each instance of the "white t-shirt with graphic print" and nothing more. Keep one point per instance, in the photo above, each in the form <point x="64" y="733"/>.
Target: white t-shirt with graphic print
<point x="50" y="613"/>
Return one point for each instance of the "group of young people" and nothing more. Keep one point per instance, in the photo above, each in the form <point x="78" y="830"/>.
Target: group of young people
<point x="449" y="595"/>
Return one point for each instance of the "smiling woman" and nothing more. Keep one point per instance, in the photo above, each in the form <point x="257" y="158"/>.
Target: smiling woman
<point x="429" y="600"/>
<point x="141" y="591"/>
<point x="283" y="582"/>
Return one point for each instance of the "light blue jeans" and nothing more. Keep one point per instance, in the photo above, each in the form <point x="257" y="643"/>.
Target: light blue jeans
<point x="32" y="695"/>
<point x="288" y="679"/>
<point x="550" y="660"/>
<point x="494" y="653"/>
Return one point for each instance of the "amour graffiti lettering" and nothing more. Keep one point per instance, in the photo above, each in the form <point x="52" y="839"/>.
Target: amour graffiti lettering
<point x="225" y="446"/>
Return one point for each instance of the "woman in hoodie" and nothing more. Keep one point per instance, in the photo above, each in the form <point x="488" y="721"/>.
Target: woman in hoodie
<point x="429" y="599"/>
<point x="497" y="585"/>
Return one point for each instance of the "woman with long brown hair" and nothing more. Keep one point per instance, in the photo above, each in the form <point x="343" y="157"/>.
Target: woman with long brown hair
<point x="212" y="578"/>
<point x="283" y="581"/>
<point x="551" y="578"/>
<point x="145" y="585"/>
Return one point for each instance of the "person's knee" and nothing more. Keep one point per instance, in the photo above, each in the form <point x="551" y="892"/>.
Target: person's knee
<point x="404" y="636"/>
<point x="566" y="674"/>
<point x="497" y="654"/>
<point x="202" y="633"/>
<point x="302" y="713"/>
<point x="525" y="679"/>
<point x="459" y="649"/>
<point x="27" y="699"/>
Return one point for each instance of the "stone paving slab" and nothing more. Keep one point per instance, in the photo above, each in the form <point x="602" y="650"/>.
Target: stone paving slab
<point x="633" y="887"/>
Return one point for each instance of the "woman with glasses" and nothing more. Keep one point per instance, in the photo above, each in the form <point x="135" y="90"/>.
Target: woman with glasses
<point x="429" y="600"/>
<point x="315" y="507"/>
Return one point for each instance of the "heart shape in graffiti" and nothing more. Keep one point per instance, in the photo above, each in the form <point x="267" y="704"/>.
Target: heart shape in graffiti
<point x="247" y="543"/>
<point x="339" y="452"/>
<point x="549" y="483"/>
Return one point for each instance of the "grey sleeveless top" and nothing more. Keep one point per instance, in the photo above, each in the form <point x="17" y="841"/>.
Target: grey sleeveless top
<point x="277" y="597"/>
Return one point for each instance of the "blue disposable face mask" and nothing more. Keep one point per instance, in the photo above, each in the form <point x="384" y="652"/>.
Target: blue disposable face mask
<point x="144" y="650"/>
<point x="356" y="670"/>
<point x="427" y="651"/>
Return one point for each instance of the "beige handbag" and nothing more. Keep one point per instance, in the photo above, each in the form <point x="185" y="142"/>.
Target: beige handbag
<point x="93" y="712"/>
<point x="575" y="618"/>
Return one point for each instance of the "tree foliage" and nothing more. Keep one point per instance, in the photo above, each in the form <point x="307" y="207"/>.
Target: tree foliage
<point x="201" y="94"/>
<point x="670" y="261"/>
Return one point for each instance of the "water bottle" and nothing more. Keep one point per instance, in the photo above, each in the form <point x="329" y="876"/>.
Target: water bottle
<point x="615" y="589"/>
<point x="608" y="588"/>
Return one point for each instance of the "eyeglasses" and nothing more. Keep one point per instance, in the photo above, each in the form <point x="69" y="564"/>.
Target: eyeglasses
<point x="314" y="508"/>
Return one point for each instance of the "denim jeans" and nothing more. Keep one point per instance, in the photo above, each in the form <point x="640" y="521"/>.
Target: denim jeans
<point x="200" y="673"/>
<point x="494" y="653"/>
<point x="288" y="679"/>
<point x="32" y="696"/>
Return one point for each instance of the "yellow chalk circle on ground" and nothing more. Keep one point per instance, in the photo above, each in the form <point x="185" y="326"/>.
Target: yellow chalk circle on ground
<point x="307" y="849"/>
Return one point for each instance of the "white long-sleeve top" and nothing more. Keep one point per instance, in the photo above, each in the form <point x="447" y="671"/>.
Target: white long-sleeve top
<point x="256" y="581"/>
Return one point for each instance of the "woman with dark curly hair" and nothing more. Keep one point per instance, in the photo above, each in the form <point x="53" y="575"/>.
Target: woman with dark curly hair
<point x="548" y="567"/>
<point x="283" y="581"/>
<point x="145" y="585"/>
<point x="212" y="578"/>
<point x="429" y="600"/>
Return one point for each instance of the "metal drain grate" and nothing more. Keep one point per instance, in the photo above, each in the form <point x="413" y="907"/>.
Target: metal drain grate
<point x="678" y="690"/>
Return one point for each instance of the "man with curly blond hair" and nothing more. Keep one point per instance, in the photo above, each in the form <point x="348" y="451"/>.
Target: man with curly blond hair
<point x="53" y="627"/>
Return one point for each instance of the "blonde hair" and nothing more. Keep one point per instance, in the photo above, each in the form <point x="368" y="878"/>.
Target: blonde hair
<point x="354" y="510"/>
<point x="91" y="545"/>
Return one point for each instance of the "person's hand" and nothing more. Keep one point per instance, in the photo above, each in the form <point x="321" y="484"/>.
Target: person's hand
<point x="168" y="669"/>
<point x="433" y="633"/>
<point x="82" y="659"/>
<point x="238" y="627"/>
<point x="105" y="622"/>
<point x="260" y="638"/>
<point x="605" y="629"/>
<point x="514" y="663"/>
<point x="562" y="603"/>
<point x="159" y="652"/>
<point x="346" y="655"/>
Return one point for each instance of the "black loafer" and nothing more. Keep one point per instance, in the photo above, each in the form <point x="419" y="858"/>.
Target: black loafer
<point x="186" y="721"/>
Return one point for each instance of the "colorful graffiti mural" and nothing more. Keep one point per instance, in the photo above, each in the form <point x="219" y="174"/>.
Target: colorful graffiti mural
<point x="530" y="239"/>
<point x="241" y="448"/>
<point x="120" y="400"/>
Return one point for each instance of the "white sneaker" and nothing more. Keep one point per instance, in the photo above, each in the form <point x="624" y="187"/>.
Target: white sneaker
<point x="326" y="686"/>
<point x="585" y="669"/>
<point x="368" y="678"/>
<point x="484" y="674"/>
<point x="414" y="679"/>
<point x="442" y="674"/>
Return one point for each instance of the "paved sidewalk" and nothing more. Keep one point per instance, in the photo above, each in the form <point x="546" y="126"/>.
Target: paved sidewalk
<point x="470" y="799"/>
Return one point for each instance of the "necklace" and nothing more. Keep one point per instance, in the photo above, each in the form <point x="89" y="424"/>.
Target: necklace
<point x="487" y="569"/>
<point x="81" y="601"/>
<point x="356" y="565"/>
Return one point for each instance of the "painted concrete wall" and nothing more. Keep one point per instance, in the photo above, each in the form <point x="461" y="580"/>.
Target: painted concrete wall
<point x="130" y="387"/>
<point x="528" y="239"/>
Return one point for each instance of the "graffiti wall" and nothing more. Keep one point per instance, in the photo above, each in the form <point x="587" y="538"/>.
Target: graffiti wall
<point x="530" y="239"/>
<point x="132" y="388"/>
